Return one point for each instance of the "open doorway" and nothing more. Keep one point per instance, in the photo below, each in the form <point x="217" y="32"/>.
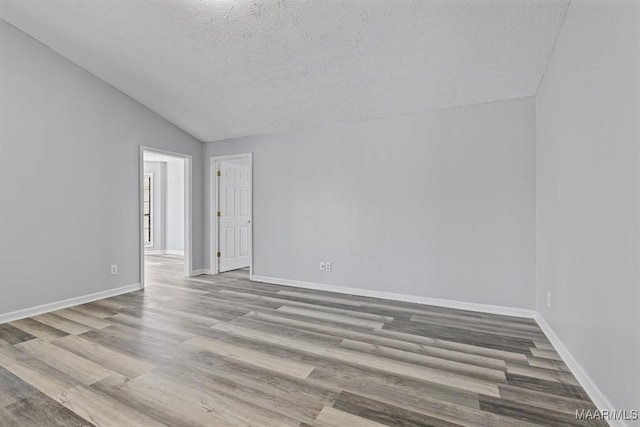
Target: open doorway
<point x="232" y="219"/>
<point x="165" y="215"/>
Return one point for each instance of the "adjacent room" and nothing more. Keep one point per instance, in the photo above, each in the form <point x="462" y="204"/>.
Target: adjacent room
<point x="320" y="213"/>
<point x="165" y="189"/>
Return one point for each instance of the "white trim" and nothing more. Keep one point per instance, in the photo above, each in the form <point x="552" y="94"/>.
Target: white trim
<point x="200" y="272"/>
<point x="172" y="252"/>
<point x="188" y="200"/>
<point x="460" y="305"/>
<point x="53" y="306"/>
<point x="163" y="252"/>
<point x="598" y="398"/>
<point x="213" y="232"/>
<point x="154" y="252"/>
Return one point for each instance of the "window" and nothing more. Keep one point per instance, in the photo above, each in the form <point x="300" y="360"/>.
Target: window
<point x="148" y="207"/>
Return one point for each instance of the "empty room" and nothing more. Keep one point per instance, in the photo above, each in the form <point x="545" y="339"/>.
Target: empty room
<point x="320" y="213"/>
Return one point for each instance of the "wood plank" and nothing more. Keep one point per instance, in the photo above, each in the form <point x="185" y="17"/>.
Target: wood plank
<point x="428" y="361"/>
<point x="156" y="403"/>
<point x="103" y="356"/>
<point x="41" y="410"/>
<point x="525" y="412"/>
<point x="388" y="387"/>
<point x="385" y="413"/>
<point x="288" y="367"/>
<point x="150" y="324"/>
<point x="103" y="410"/>
<point x="38" y="329"/>
<point x="551" y="402"/>
<point x="289" y="396"/>
<point x="315" y="346"/>
<point x="65" y="325"/>
<point x="223" y="409"/>
<point x="547" y="364"/>
<point x="453" y="345"/>
<point x="326" y="296"/>
<point x="429" y="348"/>
<point x="338" y="318"/>
<point x="465" y="336"/>
<point x="83" y="318"/>
<point x="552" y="387"/>
<point x="41" y="376"/>
<point x="546" y="354"/>
<point x="529" y="332"/>
<point x="13" y="335"/>
<point x="97" y="310"/>
<point x="13" y="389"/>
<point x="109" y="304"/>
<point x="283" y="300"/>
<point x="336" y="418"/>
<point x="421" y="400"/>
<point x="414" y="371"/>
<point x="66" y="362"/>
<point x="542" y="373"/>
<point x="7" y="419"/>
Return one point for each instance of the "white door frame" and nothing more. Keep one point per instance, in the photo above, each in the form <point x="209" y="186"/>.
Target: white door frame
<point x="188" y="190"/>
<point x="215" y="243"/>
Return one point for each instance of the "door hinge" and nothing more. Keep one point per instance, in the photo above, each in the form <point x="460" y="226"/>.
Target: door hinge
<point x="218" y="213"/>
<point x="218" y="173"/>
<point x="218" y="254"/>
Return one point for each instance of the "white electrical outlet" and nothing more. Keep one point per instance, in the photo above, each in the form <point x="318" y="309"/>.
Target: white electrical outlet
<point x="321" y="266"/>
<point x="327" y="266"/>
<point x="114" y="269"/>
<point x="548" y="299"/>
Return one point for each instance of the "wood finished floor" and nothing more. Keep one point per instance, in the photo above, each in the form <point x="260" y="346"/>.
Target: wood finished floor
<point x="216" y="351"/>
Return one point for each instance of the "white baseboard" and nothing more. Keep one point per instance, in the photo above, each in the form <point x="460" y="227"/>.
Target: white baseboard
<point x="482" y="308"/>
<point x="53" y="306"/>
<point x="598" y="398"/>
<point x="163" y="252"/>
<point x="172" y="252"/>
<point x="200" y="272"/>
<point x="154" y="252"/>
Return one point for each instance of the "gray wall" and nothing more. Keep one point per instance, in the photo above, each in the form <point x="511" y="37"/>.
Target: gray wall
<point x="64" y="218"/>
<point x="438" y="204"/>
<point x="158" y="203"/>
<point x="588" y="187"/>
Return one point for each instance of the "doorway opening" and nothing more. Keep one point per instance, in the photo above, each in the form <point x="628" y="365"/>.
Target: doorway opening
<point x="165" y="219"/>
<point x="232" y="214"/>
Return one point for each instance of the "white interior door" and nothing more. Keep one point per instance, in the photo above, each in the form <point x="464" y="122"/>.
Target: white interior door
<point x="235" y="216"/>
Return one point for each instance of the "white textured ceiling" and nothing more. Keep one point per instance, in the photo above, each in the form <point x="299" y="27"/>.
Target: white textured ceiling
<point x="226" y="68"/>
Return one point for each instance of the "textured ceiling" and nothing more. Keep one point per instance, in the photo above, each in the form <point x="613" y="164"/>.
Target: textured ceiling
<point x="226" y="68"/>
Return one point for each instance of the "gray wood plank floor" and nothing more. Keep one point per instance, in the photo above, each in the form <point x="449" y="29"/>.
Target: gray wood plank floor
<point x="221" y="350"/>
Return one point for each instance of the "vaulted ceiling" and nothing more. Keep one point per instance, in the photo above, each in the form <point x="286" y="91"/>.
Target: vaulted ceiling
<point x="227" y="68"/>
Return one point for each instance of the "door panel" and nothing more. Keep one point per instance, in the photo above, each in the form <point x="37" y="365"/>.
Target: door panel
<point x="244" y="242"/>
<point x="235" y="216"/>
<point x="229" y="243"/>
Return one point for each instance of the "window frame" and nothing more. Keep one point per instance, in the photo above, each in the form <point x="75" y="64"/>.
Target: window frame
<point x="148" y="244"/>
